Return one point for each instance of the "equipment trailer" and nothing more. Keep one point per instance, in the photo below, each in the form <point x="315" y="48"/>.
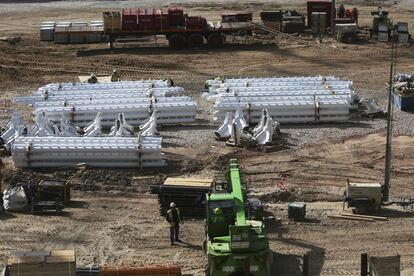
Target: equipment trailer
<point x="179" y="29"/>
<point x="234" y="244"/>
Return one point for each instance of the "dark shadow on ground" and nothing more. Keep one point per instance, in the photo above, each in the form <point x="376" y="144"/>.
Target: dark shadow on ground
<point x="287" y="265"/>
<point x="6" y="216"/>
<point x="78" y="204"/>
<point x="392" y="213"/>
<point x="189" y="245"/>
<point x="157" y="50"/>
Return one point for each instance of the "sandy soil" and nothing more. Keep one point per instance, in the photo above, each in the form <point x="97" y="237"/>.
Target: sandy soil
<point x="107" y="227"/>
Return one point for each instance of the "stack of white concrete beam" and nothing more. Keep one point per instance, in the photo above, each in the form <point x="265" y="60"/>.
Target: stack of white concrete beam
<point x="288" y="100"/>
<point x="97" y="152"/>
<point x="79" y="103"/>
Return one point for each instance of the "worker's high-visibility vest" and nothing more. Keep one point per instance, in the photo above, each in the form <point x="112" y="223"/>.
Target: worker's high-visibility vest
<point x="170" y="216"/>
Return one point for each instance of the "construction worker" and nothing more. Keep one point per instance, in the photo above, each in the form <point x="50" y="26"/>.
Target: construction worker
<point x="341" y="11"/>
<point x="174" y="218"/>
<point x="218" y="215"/>
<point x="115" y="76"/>
<point x="92" y="79"/>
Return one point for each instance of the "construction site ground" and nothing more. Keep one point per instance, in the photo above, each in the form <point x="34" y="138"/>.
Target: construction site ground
<point x="113" y="220"/>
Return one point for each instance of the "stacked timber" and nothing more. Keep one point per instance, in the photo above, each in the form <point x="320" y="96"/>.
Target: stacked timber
<point x="43" y="263"/>
<point x="187" y="193"/>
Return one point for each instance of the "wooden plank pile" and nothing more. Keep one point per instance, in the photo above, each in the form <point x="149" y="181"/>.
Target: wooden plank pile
<point x="356" y="217"/>
<point x="42" y="263"/>
<point x="187" y="193"/>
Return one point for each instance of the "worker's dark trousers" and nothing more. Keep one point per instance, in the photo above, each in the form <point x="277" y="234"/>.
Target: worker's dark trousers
<point x="174" y="231"/>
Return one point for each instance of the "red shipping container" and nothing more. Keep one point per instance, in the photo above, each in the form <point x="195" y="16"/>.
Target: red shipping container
<point x="319" y="6"/>
<point x="129" y="19"/>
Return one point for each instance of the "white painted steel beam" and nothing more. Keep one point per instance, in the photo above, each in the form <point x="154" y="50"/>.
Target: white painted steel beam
<point x="39" y="152"/>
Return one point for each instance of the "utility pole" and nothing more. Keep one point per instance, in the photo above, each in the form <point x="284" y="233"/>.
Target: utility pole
<point x="333" y="15"/>
<point x="386" y="190"/>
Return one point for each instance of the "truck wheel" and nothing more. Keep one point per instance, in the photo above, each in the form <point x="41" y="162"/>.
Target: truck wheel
<point x="195" y="41"/>
<point x="215" y="40"/>
<point x="176" y="41"/>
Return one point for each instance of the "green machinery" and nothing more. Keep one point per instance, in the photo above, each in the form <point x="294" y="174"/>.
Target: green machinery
<point x="379" y="17"/>
<point x="235" y="245"/>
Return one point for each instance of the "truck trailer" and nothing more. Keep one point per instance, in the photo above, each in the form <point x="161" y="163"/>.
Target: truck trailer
<point x="180" y="29"/>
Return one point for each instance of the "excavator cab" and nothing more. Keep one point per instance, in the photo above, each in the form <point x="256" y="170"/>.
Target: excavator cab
<point x="220" y="214"/>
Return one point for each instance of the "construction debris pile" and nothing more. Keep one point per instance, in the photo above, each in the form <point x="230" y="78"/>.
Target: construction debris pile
<point x="70" y="120"/>
<point x="404" y="84"/>
<point x="235" y="129"/>
<point x="286" y="99"/>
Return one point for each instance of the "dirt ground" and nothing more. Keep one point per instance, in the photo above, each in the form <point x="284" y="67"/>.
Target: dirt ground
<point x="114" y="221"/>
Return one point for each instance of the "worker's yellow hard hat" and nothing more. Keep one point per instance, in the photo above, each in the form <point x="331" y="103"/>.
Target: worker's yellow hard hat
<point x="217" y="211"/>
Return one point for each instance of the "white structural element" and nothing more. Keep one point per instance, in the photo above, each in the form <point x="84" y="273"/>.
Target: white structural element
<point x="73" y="96"/>
<point x="225" y="129"/>
<point x="288" y="100"/>
<point x="43" y="126"/>
<point x="12" y="129"/>
<point x="239" y="125"/>
<point x="94" y="128"/>
<point x="104" y="86"/>
<point x="239" y="120"/>
<point x="83" y="115"/>
<point x="79" y="103"/>
<point x="149" y="126"/>
<point x="66" y="128"/>
<point x="265" y="131"/>
<point x="370" y="106"/>
<point x="121" y="127"/>
<point x="99" y="152"/>
<point x="235" y="129"/>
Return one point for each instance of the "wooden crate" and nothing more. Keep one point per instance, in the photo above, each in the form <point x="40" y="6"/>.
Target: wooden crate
<point x="43" y="263"/>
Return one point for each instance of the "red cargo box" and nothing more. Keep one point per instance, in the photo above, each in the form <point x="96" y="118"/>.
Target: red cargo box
<point x="196" y="22"/>
<point x="146" y="19"/>
<point x="319" y="6"/>
<point x="153" y="20"/>
<point x="129" y="19"/>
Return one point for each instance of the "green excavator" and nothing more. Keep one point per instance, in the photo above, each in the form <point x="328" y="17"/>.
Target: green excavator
<point x="235" y="245"/>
